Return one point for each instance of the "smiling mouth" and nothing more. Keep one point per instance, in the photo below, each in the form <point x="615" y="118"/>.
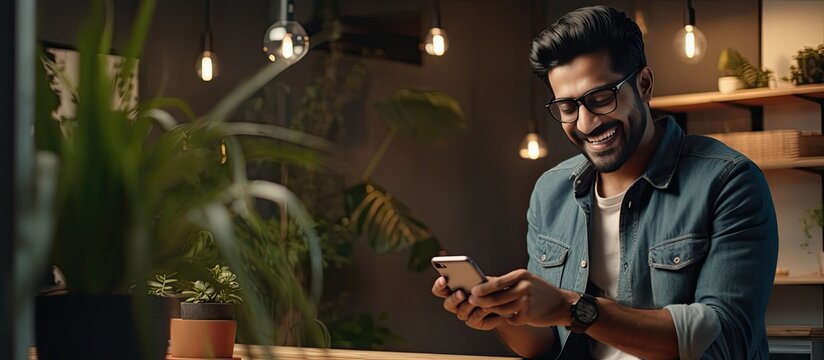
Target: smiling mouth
<point x="603" y="138"/>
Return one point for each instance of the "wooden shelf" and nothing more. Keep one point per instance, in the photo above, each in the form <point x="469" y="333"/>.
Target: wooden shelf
<point x="800" y="162"/>
<point x="808" y="279"/>
<point x="747" y="97"/>
<point x="796" y="332"/>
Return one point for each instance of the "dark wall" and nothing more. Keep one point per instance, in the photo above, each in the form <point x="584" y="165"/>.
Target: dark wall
<point x="471" y="190"/>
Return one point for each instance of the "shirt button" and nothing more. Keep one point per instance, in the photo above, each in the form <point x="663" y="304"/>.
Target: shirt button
<point x="543" y="257"/>
<point x="677" y="260"/>
<point x="583" y="263"/>
<point x="629" y="205"/>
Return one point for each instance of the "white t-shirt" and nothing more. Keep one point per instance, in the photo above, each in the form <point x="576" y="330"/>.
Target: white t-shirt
<point x="605" y="260"/>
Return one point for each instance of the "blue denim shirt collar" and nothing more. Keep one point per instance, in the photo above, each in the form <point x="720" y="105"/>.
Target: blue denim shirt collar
<point x="661" y="167"/>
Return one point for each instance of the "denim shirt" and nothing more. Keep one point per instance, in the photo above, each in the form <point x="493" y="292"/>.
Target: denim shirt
<point x="698" y="237"/>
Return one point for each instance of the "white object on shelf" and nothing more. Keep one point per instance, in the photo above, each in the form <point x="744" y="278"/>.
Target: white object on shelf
<point x="728" y="84"/>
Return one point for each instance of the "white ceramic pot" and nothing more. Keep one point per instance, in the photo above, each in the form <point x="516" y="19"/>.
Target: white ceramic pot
<point x="728" y="84"/>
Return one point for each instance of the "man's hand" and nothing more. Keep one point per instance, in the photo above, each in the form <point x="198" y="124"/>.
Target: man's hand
<point x="455" y="302"/>
<point x="530" y="299"/>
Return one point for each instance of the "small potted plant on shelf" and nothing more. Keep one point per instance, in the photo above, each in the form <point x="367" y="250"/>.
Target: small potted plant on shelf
<point x="809" y="67"/>
<point x="813" y="218"/>
<point x="207" y="326"/>
<point x="739" y="73"/>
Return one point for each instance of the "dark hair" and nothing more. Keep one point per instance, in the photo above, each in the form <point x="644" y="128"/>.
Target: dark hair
<point x="584" y="31"/>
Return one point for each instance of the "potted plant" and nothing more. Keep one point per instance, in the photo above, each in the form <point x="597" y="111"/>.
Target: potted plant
<point x="813" y="218"/>
<point x="809" y="67"/>
<point x="739" y="73"/>
<point x="127" y="202"/>
<point x="207" y="326"/>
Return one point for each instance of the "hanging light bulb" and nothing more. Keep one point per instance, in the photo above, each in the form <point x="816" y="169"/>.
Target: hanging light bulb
<point x="533" y="147"/>
<point x="286" y="40"/>
<point x="206" y="63"/>
<point x="690" y="43"/>
<point x="436" y="43"/>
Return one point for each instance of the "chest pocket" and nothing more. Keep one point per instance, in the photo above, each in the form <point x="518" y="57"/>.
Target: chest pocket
<point x="674" y="267"/>
<point x="549" y="256"/>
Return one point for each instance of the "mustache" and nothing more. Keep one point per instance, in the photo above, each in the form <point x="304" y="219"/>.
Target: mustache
<point x="597" y="131"/>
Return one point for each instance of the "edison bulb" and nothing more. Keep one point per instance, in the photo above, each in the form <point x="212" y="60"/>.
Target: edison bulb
<point x="206" y="65"/>
<point x="690" y="44"/>
<point x="285" y="41"/>
<point x="533" y="147"/>
<point x="436" y="42"/>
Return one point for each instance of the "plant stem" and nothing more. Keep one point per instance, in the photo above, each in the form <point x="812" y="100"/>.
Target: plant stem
<point x="379" y="154"/>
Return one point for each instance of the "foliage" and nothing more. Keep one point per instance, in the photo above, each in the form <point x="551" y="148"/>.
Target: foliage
<point x="132" y="195"/>
<point x="384" y="220"/>
<point x="423" y="115"/>
<point x="223" y="289"/>
<point x="733" y="64"/>
<point x="162" y="285"/>
<point x="812" y="218"/>
<point x="809" y="67"/>
<point x="356" y="331"/>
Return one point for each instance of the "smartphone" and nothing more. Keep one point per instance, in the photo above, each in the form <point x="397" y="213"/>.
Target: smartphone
<point x="461" y="272"/>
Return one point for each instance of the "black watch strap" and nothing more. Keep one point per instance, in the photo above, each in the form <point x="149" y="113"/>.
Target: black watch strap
<point x="584" y="313"/>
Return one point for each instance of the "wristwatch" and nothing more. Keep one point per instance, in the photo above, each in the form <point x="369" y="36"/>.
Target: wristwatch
<point x="584" y="313"/>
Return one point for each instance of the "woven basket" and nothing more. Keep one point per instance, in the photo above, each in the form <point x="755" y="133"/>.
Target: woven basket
<point x="773" y="144"/>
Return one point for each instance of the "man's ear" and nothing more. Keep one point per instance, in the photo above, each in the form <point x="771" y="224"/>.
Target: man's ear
<point x="644" y="82"/>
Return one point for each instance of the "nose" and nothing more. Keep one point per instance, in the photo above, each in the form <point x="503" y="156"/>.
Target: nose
<point x="587" y="121"/>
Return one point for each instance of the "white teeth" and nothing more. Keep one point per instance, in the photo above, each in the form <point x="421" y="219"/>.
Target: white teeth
<point x="603" y="137"/>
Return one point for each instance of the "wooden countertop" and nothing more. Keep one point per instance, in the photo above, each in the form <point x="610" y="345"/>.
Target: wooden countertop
<point x="248" y="352"/>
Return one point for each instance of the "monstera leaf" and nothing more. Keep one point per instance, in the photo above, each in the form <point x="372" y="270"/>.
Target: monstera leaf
<point x="423" y="115"/>
<point x="388" y="223"/>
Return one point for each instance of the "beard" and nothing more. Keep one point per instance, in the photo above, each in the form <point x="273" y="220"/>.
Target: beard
<point x="624" y="147"/>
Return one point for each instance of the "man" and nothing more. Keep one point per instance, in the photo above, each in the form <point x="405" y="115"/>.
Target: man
<point x="650" y="244"/>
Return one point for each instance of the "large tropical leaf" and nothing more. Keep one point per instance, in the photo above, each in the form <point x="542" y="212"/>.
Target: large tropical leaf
<point x="385" y="221"/>
<point x="422" y="252"/>
<point x="423" y="115"/>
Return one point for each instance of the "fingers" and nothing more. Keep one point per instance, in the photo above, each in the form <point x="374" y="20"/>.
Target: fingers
<point x="501" y="297"/>
<point x="517" y="319"/>
<point x="508" y="309"/>
<point x="465" y="310"/>
<point x="439" y="288"/>
<point x="483" y="320"/>
<point x="452" y="302"/>
<point x="499" y="283"/>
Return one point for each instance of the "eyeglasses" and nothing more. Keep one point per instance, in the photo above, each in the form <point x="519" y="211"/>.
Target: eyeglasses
<point x="599" y="101"/>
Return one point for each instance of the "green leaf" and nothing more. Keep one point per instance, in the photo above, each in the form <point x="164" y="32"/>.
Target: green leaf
<point x="265" y="150"/>
<point x="385" y="221"/>
<point x="422" y="115"/>
<point x="422" y="253"/>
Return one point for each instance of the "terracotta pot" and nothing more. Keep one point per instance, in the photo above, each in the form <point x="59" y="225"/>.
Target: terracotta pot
<point x="202" y="338"/>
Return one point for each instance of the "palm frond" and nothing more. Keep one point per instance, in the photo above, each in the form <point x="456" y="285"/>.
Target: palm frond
<point x="386" y="222"/>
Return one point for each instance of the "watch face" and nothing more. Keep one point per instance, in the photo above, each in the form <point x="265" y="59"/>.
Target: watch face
<point x="586" y="310"/>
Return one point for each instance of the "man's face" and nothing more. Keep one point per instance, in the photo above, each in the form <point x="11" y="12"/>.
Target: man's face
<point x="610" y="140"/>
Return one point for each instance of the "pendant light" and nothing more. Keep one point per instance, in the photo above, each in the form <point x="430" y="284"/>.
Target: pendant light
<point x="286" y="40"/>
<point x="690" y="43"/>
<point x="532" y="147"/>
<point x="436" y="43"/>
<point x="206" y="64"/>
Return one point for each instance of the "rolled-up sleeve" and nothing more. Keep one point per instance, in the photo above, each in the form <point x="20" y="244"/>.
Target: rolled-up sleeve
<point x="734" y="285"/>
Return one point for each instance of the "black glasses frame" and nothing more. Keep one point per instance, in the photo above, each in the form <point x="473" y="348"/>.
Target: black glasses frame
<point x="615" y="88"/>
